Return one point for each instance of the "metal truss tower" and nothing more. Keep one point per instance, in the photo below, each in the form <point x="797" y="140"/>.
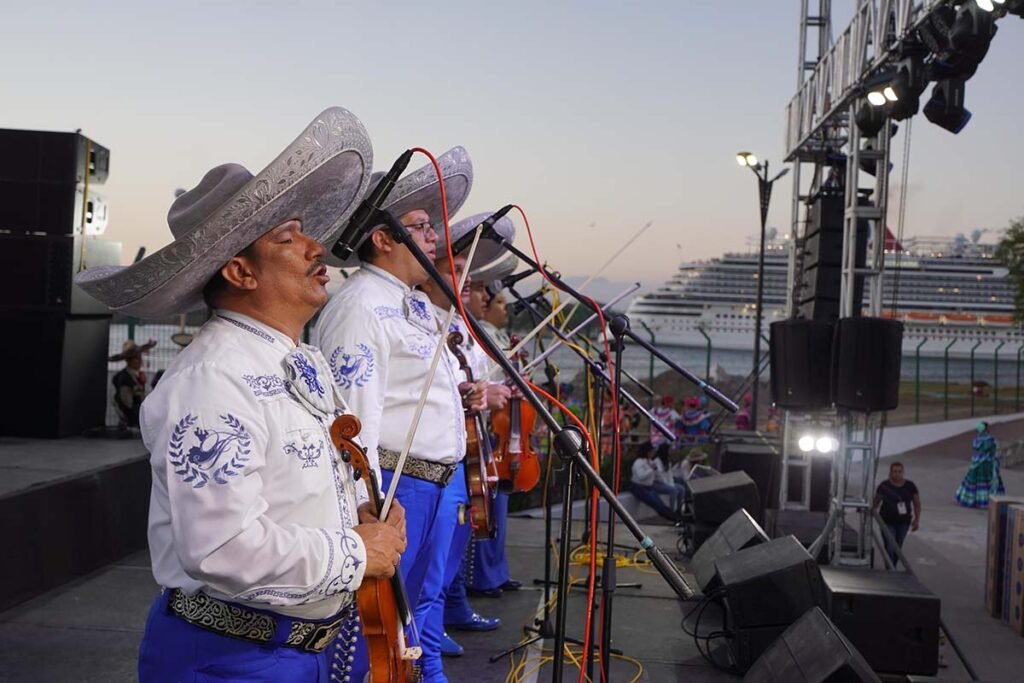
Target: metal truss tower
<point x="820" y="137"/>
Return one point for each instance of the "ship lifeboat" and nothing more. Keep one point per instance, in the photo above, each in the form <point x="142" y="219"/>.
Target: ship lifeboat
<point x="997" y="319"/>
<point x="917" y="315"/>
<point x="962" y="318"/>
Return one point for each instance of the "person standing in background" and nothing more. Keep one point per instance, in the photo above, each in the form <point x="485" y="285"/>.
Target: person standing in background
<point x="901" y="506"/>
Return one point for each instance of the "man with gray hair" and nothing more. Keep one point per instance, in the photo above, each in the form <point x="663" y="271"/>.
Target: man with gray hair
<point x="258" y="532"/>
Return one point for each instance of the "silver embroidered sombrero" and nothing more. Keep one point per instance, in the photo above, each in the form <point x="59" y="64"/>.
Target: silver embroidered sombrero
<point x="495" y="270"/>
<point x="316" y="179"/>
<point x="420" y="190"/>
<point x="486" y="249"/>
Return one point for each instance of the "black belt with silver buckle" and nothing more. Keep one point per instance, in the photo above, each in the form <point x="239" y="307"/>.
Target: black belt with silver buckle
<point x="235" y="621"/>
<point x="434" y="472"/>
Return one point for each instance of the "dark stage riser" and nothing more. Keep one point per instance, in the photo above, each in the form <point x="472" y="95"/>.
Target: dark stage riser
<point x="57" y="532"/>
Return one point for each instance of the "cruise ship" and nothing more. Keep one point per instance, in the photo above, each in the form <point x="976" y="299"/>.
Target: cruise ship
<point x="951" y="294"/>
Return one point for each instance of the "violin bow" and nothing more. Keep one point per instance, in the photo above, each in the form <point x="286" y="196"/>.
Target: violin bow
<point x="414" y="425"/>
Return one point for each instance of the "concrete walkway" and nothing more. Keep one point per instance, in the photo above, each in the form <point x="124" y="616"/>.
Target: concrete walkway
<point x="948" y="554"/>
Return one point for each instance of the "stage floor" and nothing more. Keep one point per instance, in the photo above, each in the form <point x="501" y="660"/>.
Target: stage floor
<point x="89" y="630"/>
<point x="25" y="463"/>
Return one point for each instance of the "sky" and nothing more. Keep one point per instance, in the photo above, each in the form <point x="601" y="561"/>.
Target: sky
<point x="595" y="116"/>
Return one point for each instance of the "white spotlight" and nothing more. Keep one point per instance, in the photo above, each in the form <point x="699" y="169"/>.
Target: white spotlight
<point x="890" y="94"/>
<point x="986" y="5"/>
<point x="825" y="444"/>
<point x="876" y="98"/>
<point x="806" y="443"/>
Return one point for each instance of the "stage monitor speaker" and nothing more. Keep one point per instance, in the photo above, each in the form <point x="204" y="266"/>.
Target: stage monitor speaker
<point x="866" y="358"/>
<point x="37" y="271"/>
<point x="738" y="532"/>
<point x="891" y="617"/>
<point x="760" y="456"/>
<point x="716" y="498"/>
<point x="56" y="373"/>
<point x="812" y="650"/>
<point x="770" y="584"/>
<point x="800" y="353"/>
<point x="48" y="181"/>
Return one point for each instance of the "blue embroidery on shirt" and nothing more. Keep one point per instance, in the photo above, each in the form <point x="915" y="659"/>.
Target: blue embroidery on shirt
<point x="201" y="462"/>
<point x="419" y="308"/>
<point x="264" y="386"/>
<point x="419" y="348"/>
<point x="249" y="328"/>
<point x="308" y="374"/>
<point x="349" y="565"/>
<point x="306" y="451"/>
<point x="385" y="312"/>
<point x="351" y="368"/>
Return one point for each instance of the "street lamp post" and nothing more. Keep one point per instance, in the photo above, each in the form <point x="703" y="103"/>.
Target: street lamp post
<point x="764" y="192"/>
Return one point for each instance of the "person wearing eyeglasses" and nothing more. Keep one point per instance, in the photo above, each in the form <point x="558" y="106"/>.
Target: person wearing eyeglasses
<point x="379" y="333"/>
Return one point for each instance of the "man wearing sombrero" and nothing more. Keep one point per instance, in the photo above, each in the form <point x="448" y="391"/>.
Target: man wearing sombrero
<point x="130" y="382"/>
<point x="254" y="532"/>
<point x="488" y="569"/>
<point x="452" y="608"/>
<point x="379" y="334"/>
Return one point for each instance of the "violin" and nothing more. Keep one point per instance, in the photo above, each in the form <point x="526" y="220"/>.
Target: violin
<point x="383" y="604"/>
<point x="517" y="463"/>
<point x="479" y="460"/>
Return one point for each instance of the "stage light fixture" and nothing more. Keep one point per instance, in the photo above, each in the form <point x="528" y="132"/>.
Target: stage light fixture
<point x="908" y="84"/>
<point x="946" y="106"/>
<point x="826" y="444"/>
<point x="806" y="443"/>
<point x="869" y="119"/>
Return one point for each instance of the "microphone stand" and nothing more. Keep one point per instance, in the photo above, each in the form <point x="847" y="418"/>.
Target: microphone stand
<point x="707" y="388"/>
<point x="597" y="371"/>
<point x="570" y="445"/>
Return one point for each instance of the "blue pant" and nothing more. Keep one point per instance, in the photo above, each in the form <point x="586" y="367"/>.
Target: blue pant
<point x="676" y="492"/>
<point x="648" y="495"/>
<point x="899" y="532"/>
<point x="453" y="591"/>
<point x="489" y="565"/>
<point x="422" y="567"/>
<point x="173" y="651"/>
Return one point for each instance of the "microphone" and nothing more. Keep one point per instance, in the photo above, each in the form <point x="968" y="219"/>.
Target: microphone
<point x="355" y="229"/>
<point x="496" y="286"/>
<point x="487" y="232"/>
<point x="537" y="297"/>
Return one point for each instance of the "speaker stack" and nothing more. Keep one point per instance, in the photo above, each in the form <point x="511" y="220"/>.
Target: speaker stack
<point x="853" y="364"/>
<point x="737" y="533"/>
<point x="57" y="336"/>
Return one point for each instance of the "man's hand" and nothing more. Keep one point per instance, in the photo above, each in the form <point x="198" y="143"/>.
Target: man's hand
<point x="396" y="516"/>
<point x="474" y="398"/>
<point x="915" y="524"/>
<point x="384" y="546"/>
<point x="497" y="395"/>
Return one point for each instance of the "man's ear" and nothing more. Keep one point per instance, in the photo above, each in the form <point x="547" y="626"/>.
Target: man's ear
<point x="382" y="242"/>
<point x="238" y="272"/>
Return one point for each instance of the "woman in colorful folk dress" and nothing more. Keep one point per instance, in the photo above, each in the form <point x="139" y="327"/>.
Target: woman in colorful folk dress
<point x="982" y="479"/>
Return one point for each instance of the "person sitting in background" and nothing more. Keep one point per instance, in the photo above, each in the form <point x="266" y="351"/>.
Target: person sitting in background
<point x="645" y="480"/>
<point x="130" y="383"/>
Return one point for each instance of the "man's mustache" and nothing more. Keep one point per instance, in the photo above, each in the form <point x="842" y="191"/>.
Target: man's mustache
<point x="314" y="267"/>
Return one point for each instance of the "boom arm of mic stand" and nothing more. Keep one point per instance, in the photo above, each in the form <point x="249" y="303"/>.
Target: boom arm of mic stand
<point x="568" y="440"/>
<point x="707" y="388"/>
<point x="596" y="369"/>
